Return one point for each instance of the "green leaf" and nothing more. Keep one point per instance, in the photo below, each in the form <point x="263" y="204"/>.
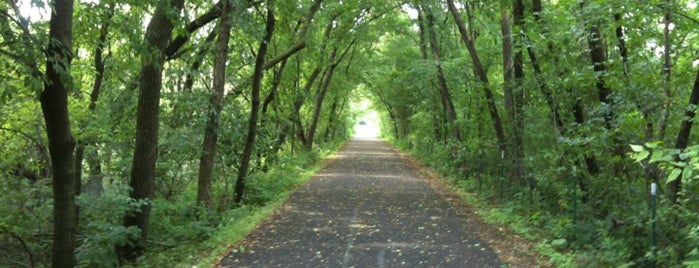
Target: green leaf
<point x="688" y="172"/>
<point x="637" y="148"/>
<point x="641" y="156"/>
<point x="674" y="175"/>
<point x="659" y="156"/>
<point x="653" y="145"/>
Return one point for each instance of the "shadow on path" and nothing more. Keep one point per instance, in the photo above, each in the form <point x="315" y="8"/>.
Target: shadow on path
<point x="367" y="208"/>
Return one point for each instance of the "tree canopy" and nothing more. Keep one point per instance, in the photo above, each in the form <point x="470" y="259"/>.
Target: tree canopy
<point x="122" y="121"/>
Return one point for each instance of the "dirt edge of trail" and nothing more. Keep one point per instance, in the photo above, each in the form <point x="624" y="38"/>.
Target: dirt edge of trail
<point x="511" y="248"/>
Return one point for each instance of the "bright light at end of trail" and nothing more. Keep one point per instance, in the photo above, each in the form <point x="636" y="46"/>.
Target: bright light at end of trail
<point x="367" y="126"/>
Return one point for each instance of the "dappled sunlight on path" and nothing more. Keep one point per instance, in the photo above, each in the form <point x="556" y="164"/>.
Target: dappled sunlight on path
<point x="369" y="207"/>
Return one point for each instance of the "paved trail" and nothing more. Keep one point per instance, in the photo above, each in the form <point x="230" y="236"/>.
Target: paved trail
<point x="368" y="208"/>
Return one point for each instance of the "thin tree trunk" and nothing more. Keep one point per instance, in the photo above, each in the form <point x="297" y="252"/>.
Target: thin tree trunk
<point x="54" y="104"/>
<point x="507" y="59"/>
<point x="142" y="180"/>
<point x="675" y="186"/>
<point x="334" y="62"/>
<point x="598" y="55"/>
<point x="667" y="71"/>
<point x="303" y="35"/>
<point x="517" y="139"/>
<point x="255" y="103"/>
<point x="578" y="112"/>
<point x="320" y="99"/>
<point x="537" y="8"/>
<point x="94" y="96"/>
<point x="441" y="78"/>
<point x="206" y="161"/>
<point x="298" y="103"/>
<point x="480" y="73"/>
<point x="198" y="58"/>
<point x="333" y="114"/>
<point x="436" y="126"/>
<point x="275" y="86"/>
<point x="280" y="131"/>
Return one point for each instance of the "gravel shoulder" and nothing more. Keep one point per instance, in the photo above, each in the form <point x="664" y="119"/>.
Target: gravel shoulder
<point x="372" y="206"/>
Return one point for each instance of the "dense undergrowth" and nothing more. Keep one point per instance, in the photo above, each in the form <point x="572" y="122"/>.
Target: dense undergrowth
<point x="182" y="234"/>
<point x="193" y="236"/>
<point x="614" y="230"/>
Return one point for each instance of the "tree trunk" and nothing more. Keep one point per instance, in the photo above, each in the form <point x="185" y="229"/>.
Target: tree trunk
<point x="513" y="74"/>
<point x="517" y="139"/>
<point x="206" y="161"/>
<point x="331" y="122"/>
<point x="198" y="58"/>
<point x="675" y="186"/>
<point x="480" y="73"/>
<point x="54" y="104"/>
<point x="667" y="71"/>
<point x="281" y="125"/>
<point x="507" y="59"/>
<point x="545" y="90"/>
<point x="142" y="180"/>
<point x="303" y="35"/>
<point x="99" y="60"/>
<point x="330" y="72"/>
<point x="298" y="103"/>
<point x="327" y="80"/>
<point x="255" y="104"/>
<point x="598" y="55"/>
<point x="436" y="126"/>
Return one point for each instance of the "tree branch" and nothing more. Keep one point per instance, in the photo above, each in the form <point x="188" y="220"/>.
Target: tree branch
<point x="303" y="35"/>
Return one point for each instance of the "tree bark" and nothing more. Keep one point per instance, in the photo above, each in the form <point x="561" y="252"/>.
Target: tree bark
<point x="255" y="104"/>
<point x="206" y="161"/>
<point x="54" y="104"/>
<point x="142" y="180"/>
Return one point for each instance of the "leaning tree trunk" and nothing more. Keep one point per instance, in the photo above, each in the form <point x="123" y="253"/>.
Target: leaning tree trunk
<point x="206" y="161"/>
<point x="54" y="104"/>
<point x="142" y="181"/>
<point x="255" y="105"/>
<point x="675" y="186"/>
<point x="320" y="99"/>
<point x="480" y="73"/>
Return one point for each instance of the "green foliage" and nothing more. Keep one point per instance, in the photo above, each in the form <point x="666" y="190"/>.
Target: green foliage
<point x="186" y="235"/>
<point x="102" y="230"/>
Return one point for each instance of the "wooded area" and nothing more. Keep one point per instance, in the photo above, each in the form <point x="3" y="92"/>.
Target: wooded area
<point x="131" y="129"/>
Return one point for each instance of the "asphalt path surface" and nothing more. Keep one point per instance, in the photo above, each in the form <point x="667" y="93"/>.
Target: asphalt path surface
<point x="369" y="207"/>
